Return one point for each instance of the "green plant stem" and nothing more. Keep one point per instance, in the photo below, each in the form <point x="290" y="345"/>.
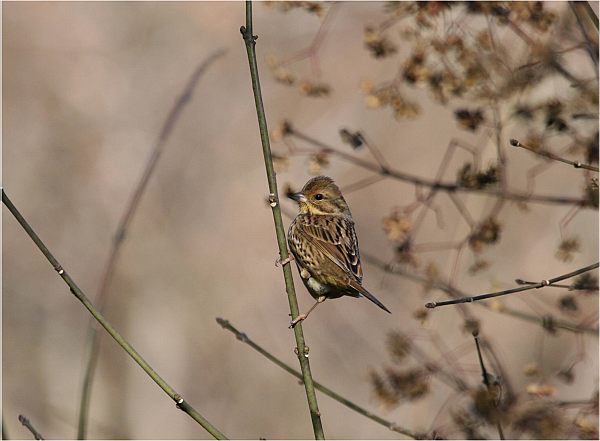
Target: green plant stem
<point x="546" y="322"/>
<point x="301" y="348"/>
<point x="78" y="293"/>
<point x="94" y="336"/>
<point x="241" y="336"/>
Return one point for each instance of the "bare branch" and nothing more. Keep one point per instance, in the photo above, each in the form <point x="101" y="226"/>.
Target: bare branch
<point x="241" y="336"/>
<point x="543" y="283"/>
<point x="79" y="294"/>
<point x="547" y="321"/>
<point x="550" y="155"/>
<point x="436" y="185"/>
<point x="23" y="420"/>
<point x="93" y="341"/>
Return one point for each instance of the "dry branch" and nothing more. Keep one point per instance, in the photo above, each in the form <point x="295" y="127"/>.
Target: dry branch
<point x="543" y="283"/>
<point x="36" y="435"/>
<point x="243" y="337"/>
<point x="79" y="294"/>
<point x="552" y="156"/>
<point x="93" y="341"/>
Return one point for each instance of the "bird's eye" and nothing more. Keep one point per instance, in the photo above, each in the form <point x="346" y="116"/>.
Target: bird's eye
<point x="318" y="196"/>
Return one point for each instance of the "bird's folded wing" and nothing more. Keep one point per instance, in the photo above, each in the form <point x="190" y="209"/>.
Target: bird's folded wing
<point x="336" y="238"/>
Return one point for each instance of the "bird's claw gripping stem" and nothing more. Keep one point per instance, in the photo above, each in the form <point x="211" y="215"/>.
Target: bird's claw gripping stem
<point x="280" y="262"/>
<point x="297" y="320"/>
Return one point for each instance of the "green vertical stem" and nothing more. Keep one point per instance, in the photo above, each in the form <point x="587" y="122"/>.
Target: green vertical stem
<point x="301" y="348"/>
<point x="78" y="293"/>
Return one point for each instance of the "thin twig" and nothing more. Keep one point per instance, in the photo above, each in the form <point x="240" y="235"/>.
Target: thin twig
<point x="301" y="348"/>
<point x="436" y="185"/>
<point x="558" y="285"/>
<point x="546" y="322"/>
<point x="488" y="385"/>
<point x="541" y="284"/>
<point x="589" y="11"/>
<point x="36" y="435"/>
<point x="93" y="340"/>
<point x="241" y="336"/>
<point x="79" y="294"/>
<point x="590" y="47"/>
<point x="549" y="155"/>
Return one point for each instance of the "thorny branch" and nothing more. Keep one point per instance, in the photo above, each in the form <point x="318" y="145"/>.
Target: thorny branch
<point x="93" y="341"/>
<point x="79" y="294"/>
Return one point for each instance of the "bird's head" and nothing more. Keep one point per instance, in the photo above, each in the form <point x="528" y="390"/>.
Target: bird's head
<point x="320" y="195"/>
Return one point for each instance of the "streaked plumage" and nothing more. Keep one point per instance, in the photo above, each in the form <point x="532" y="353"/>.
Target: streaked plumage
<point x="324" y="244"/>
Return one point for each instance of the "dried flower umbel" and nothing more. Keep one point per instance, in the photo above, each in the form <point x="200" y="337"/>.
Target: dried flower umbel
<point x="567" y="248"/>
<point x="378" y="43"/>
<point x="585" y="282"/>
<point x="470" y="178"/>
<point x="469" y="119"/>
<point x="486" y="233"/>
<point x="397" y="385"/>
<point x="397" y="227"/>
<point x="353" y="139"/>
<point x="398" y="345"/>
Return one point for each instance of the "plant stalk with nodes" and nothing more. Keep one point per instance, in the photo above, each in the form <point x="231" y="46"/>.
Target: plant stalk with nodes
<point x="301" y="348"/>
<point x="79" y="294"/>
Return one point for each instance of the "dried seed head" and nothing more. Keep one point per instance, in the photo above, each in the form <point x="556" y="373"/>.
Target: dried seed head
<point x="318" y="162"/>
<point x="531" y="369"/>
<point x="398" y="345"/>
<point x="585" y="282"/>
<point x="315" y="89"/>
<point x="486" y="233"/>
<point x="567" y="248"/>
<point x="567" y="303"/>
<point x="541" y="389"/>
<point x="469" y="119"/>
<point x="397" y="226"/>
<point x="541" y="420"/>
<point x="378" y="44"/>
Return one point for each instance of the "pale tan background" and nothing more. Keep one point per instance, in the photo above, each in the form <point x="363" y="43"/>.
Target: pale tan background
<point x="86" y="89"/>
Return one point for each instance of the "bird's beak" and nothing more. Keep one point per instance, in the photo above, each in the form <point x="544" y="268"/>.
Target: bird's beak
<point x="298" y="197"/>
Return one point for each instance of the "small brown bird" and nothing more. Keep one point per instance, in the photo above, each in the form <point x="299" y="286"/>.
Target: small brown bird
<point x="325" y="246"/>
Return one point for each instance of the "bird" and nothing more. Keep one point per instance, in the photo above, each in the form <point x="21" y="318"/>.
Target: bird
<point x="324" y="245"/>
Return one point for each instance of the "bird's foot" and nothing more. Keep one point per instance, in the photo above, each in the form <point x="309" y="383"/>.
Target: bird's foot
<point x="280" y="262"/>
<point x="297" y="320"/>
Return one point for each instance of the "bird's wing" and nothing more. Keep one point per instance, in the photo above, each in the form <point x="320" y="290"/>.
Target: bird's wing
<point x="335" y="237"/>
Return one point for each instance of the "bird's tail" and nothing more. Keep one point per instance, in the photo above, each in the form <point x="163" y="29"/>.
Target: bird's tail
<point x="369" y="296"/>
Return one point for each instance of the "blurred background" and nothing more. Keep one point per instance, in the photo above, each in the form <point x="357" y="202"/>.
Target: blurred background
<point x="86" y="90"/>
